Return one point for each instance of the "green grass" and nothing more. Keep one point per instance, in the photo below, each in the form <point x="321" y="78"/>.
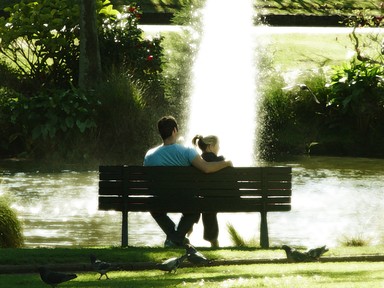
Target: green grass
<point x="47" y="256"/>
<point x="352" y="274"/>
<point x="294" y="51"/>
<point x="323" y="274"/>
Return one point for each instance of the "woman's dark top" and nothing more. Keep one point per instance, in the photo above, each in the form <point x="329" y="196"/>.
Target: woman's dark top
<point x="212" y="157"/>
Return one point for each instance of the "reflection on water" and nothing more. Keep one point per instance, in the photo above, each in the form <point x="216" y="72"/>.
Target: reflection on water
<point x="332" y="198"/>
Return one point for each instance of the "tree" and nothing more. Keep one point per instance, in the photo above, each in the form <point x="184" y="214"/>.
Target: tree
<point x="90" y="64"/>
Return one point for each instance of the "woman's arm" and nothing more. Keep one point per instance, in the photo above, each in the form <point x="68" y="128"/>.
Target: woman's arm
<point x="210" y="167"/>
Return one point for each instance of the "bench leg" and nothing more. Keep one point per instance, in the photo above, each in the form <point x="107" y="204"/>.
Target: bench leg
<point x="264" y="239"/>
<point x="124" y="229"/>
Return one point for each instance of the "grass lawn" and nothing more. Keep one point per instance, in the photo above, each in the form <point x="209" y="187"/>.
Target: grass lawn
<point x="306" y="51"/>
<point x="350" y="274"/>
<point x="48" y="256"/>
<point x="276" y="274"/>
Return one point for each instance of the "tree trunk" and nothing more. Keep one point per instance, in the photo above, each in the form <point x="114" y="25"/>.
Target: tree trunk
<point x="90" y="63"/>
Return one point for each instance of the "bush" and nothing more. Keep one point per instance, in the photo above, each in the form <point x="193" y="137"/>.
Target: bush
<point x="347" y="122"/>
<point x="10" y="227"/>
<point x="290" y="116"/>
<point x="355" y="107"/>
<point x="355" y="241"/>
<point x="10" y="142"/>
<point x="122" y="45"/>
<point x="126" y="121"/>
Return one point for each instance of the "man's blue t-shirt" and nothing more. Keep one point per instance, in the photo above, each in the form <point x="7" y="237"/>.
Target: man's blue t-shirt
<point x="170" y="155"/>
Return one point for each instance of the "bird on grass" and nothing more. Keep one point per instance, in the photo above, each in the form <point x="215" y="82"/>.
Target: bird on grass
<point x="194" y="256"/>
<point x="316" y="253"/>
<point x="101" y="266"/>
<point x="294" y="255"/>
<point x="171" y="264"/>
<point x="54" y="278"/>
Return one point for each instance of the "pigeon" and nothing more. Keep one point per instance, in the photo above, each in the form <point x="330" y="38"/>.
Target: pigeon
<point x="100" y="266"/>
<point x="54" y="278"/>
<point x="295" y="256"/>
<point x="195" y="256"/>
<point x="316" y="253"/>
<point x="171" y="264"/>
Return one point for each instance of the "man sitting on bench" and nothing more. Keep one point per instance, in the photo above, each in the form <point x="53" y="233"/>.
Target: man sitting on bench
<point x="172" y="154"/>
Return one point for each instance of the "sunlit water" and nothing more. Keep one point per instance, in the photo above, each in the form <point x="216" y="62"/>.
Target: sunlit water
<point x="333" y="198"/>
<point x="224" y="96"/>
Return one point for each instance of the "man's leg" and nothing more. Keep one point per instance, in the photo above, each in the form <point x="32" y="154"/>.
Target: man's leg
<point x="165" y="223"/>
<point x="185" y="225"/>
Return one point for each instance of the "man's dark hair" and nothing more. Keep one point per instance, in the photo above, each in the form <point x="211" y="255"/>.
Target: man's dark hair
<point x="166" y="125"/>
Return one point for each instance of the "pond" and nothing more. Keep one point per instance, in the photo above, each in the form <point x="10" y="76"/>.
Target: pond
<point x="333" y="199"/>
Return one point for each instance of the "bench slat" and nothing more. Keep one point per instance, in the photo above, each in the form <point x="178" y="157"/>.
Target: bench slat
<point x="229" y="204"/>
<point x="217" y="185"/>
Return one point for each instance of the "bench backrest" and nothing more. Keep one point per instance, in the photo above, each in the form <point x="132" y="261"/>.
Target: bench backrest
<point x="186" y="189"/>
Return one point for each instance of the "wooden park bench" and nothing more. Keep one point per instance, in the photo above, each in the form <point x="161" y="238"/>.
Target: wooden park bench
<point x="186" y="189"/>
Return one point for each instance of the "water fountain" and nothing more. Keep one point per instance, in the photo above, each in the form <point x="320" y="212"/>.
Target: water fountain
<point x="223" y="100"/>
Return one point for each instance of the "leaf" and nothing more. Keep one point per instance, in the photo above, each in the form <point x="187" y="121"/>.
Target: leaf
<point x="81" y="125"/>
<point x="69" y="122"/>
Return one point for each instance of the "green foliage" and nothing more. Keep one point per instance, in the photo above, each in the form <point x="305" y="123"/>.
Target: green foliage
<point x="356" y="106"/>
<point x="290" y="116"/>
<point x="317" y="7"/>
<point x="121" y="45"/>
<point x="10" y="132"/>
<point x="46" y="114"/>
<point x="237" y="239"/>
<point x="355" y="241"/>
<point x="181" y="48"/>
<point x="189" y="13"/>
<point x="125" y="119"/>
<point x="10" y="227"/>
<point x="40" y="39"/>
<point x="356" y="90"/>
<point x="46" y="124"/>
<point x="54" y="111"/>
<point x="349" y="120"/>
<point x="177" y="64"/>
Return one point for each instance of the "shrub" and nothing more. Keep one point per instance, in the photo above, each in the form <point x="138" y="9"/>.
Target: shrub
<point x="357" y="90"/>
<point x="237" y="239"/>
<point x="126" y="121"/>
<point x="50" y="120"/>
<point x="10" y="227"/>
<point x="290" y="116"/>
<point x="122" y="45"/>
<point x="355" y="241"/>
